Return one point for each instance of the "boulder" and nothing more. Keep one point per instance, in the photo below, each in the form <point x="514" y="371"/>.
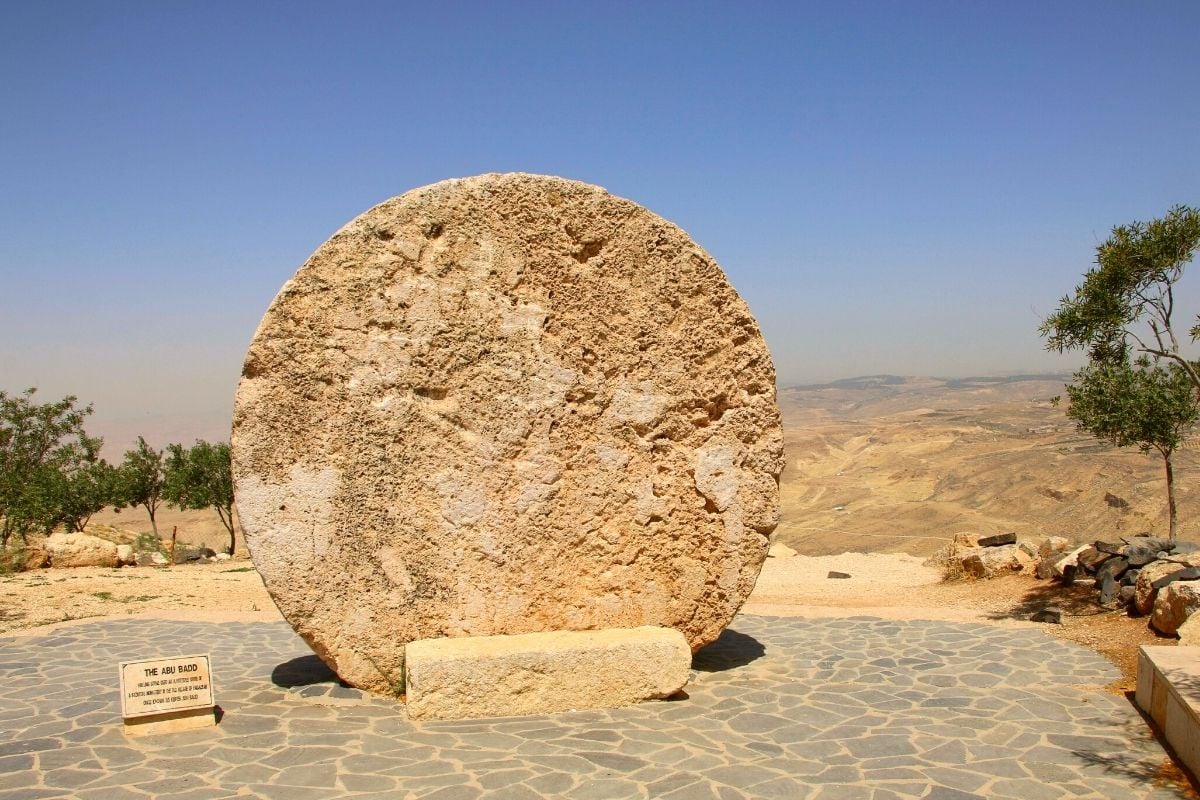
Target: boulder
<point x="1174" y="604"/>
<point x="126" y="557"/>
<point x="835" y="575"/>
<point x="33" y="555"/>
<point x="1145" y="590"/>
<point x="987" y="562"/>
<point x="1112" y="570"/>
<point x="1068" y="558"/>
<point x="998" y="540"/>
<point x="1189" y="631"/>
<point x="1090" y="559"/>
<point x="80" y="550"/>
<point x="966" y="540"/>
<point x="1145" y="540"/>
<point x="152" y="558"/>
<point x="1049" y="614"/>
<point x="543" y="673"/>
<point x="1045" y="568"/>
<point x="500" y="405"/>
<point x="1052" y="545"/>
<point x="1139" y="555"/>
<point x="1181" y="574"/>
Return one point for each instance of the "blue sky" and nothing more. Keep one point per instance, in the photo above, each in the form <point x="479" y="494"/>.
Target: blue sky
<point x="893" y="187"/>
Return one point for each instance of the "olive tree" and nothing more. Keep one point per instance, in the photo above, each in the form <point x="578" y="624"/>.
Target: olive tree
<point x="1126" y="303"/>
<point x="1139" y="388"/>
<point x="49" y="466"/>
<point x="1140" y="404"/>
<point x="200" y="477"/>
<point x="140" y="480"/>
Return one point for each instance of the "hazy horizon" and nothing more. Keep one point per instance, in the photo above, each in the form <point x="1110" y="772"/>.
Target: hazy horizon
<point x="892" y="189"/>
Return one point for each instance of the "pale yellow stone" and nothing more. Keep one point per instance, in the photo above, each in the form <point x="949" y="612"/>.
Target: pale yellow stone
<point x="542" y="673"/>
<point x="505" y="404"/>
<point x="170" y="723"/>
<point x="80" y="550"/>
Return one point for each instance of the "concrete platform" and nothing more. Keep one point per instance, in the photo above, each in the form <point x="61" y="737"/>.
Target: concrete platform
<point x="854" y="708"/>
<point x="1168" y="689"/>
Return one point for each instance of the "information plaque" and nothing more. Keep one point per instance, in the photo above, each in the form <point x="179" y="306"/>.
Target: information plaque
<point x="165" y="686"/>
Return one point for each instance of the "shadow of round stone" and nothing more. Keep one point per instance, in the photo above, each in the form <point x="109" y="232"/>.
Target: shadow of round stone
<point x="303" y="671"/>
<point x="730" y="650"/>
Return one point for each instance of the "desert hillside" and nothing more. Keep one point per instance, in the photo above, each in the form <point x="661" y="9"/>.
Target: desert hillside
<point x="890" y="464"/>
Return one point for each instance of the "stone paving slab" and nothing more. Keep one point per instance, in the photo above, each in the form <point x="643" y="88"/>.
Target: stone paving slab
<point x="820" y="709"/>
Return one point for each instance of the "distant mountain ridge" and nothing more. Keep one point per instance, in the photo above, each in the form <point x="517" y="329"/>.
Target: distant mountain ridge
<point x="876" y="381"/>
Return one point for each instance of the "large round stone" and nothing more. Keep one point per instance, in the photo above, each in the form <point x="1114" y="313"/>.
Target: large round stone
<point x="505" y="404"/>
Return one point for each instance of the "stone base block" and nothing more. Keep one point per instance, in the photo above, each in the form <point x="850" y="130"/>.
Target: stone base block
<point x="1168" y="689"/>
<point x="542" y="673"/>
<point x="171" y="722"/>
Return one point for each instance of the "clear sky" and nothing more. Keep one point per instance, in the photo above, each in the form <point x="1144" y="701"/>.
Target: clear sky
<point x="903" y="187"/>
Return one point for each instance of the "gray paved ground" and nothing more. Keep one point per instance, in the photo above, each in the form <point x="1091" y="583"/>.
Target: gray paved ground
<point x="779" y="708"/>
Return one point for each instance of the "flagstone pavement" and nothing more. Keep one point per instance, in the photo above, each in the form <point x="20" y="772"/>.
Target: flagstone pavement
<point x="828" y="709"/>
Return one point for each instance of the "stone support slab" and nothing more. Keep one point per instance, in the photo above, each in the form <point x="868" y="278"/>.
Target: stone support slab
<point x="540" y="673"/>
<point x="1168" y="689"/>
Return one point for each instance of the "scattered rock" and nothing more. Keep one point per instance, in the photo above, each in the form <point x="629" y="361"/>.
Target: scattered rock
<point x="80" y="550"/>
<point x="1113" y="501"/>
<point x="1050" y="614"/>
<point x="1174" y="604"/>
<point x="222" y="557"/>
<point x="35" y="556"/>
<point x="966" y="540"/>
<point x="1126" y="594"/>
<point x="1109" y="589"/>
<point x="1045" y="569"/>
<point x="152" y="558"/>
<point x="1130" y="576"/>
<point x="1184" y="574"/>
<point x="1146" y="592"/>
<point x="1068" y="559"/>
<point x="1139" y="555"/>
<point x="1052" y="545"/>
<point x="1153" y="543"/>
<point x="1090" y="558"/>
<point x="1189" y="631"/>
<point x="1111" y="548"/>
<point x="1028" y="548"/>
<point x="1068" y="574"/>
<point x="1112" y="569"/>
<point x="125" y="555"/>
<point x="998" y="540"/>
<point x="987" y="562"/>
<point x="838" y="575"/>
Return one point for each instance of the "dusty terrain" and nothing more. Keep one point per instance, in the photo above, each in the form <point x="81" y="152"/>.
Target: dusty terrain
<point x="880" y="474"/>
<point x="899" y="465"/>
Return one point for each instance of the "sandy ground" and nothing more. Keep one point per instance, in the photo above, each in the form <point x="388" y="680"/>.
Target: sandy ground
<point x="887" y="585"/>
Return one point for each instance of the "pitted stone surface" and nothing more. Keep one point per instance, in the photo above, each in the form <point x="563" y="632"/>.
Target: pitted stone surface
<point x="505" y="404"/>
<point x="777" y="708"/>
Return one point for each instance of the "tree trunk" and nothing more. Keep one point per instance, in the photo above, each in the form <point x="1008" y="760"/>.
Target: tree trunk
<point x="226" y="515"/>
<point x="1171" y="515"/>
<point x="153" y="524"/>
